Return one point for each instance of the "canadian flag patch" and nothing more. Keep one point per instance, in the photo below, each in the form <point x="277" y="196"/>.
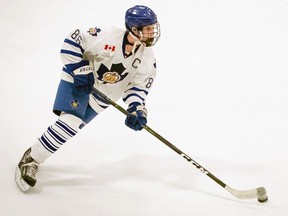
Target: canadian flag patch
<point x="109" y="47"/>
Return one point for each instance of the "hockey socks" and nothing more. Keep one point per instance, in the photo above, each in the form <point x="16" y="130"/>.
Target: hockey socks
<point x="55" y="136"/>
<point x="52" y="139"/>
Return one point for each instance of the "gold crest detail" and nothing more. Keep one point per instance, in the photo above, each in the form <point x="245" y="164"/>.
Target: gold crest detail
<point x="111" y="77"/>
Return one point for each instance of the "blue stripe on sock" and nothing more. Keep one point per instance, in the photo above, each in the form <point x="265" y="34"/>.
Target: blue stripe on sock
<point x="56" y="136"/>
<point x="70" y="131"/>
<point x="50" y="142"/>
<point x="46" y="144"/>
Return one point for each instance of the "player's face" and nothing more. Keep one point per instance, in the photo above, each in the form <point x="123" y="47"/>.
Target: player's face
<point x="150" y="34"/>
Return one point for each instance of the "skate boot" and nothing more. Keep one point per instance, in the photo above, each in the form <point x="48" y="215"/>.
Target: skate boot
<point x="25" y="175"/>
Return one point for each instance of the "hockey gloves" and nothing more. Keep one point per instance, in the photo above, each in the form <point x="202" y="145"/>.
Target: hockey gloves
<point x="137" y="117"/>
<point x="83" y="76"/>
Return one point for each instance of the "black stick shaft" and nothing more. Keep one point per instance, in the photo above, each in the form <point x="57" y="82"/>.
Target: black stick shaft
<point x="162" y="139"/>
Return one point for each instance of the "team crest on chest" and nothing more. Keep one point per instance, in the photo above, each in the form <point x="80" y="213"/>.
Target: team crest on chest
<point x="114" y="75"/>
<point x="111" y="77"/>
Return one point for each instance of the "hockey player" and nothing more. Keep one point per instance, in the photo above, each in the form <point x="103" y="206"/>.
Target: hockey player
<point x="118" y="62"/>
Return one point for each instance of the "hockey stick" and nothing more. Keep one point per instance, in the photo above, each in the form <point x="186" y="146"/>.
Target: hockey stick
<point x="259" y="193"/>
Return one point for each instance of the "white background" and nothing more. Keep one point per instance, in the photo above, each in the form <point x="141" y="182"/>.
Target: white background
<point x="220" y="96"/>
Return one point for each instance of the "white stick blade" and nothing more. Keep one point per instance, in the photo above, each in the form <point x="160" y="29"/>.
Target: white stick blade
<point x="247" y="194"/>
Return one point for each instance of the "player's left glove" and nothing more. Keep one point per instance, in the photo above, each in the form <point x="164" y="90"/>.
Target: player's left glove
<point x="137" y="117"/>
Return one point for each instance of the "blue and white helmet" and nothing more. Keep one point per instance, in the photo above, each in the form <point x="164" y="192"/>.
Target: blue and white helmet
<point x="138" y="17"/>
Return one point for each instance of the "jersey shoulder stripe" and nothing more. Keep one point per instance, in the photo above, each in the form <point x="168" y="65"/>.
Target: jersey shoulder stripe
<point x="74" y="44"/>
<point x="71" y="53"/>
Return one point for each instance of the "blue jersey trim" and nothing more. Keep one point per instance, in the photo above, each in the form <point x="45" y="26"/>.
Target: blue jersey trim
<point x="71" y="53"/>
<point x="130" y="95"/>
<point x="74" y="44"/>
<point x="138" y="90"/>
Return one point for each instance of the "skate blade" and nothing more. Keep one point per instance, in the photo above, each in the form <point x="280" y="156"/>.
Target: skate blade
<point x="20" y="182"/>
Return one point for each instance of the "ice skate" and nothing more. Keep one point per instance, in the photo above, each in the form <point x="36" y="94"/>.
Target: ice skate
<point x="25" y="175"/>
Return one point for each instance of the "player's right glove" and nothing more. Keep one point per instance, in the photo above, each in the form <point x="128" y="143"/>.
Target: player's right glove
<point x="83" y="76"/>
<point x="137" y="117"/>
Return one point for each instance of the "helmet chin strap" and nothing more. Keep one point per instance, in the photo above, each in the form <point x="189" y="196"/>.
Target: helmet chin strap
<point x="135" y="46"/>
<point x="136" y="37"/>
<point x="136" y="43"/>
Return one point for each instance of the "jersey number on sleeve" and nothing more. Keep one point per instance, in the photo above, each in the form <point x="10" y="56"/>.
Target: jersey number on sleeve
<point x="149" y="84"/>
<point x="75" y="35"/>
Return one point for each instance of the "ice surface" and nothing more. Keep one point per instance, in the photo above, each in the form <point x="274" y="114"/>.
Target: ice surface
<point x="220" y="96"/>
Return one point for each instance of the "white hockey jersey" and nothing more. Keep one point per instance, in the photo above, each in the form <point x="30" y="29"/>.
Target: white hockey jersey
<point x="116" y="75"/>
